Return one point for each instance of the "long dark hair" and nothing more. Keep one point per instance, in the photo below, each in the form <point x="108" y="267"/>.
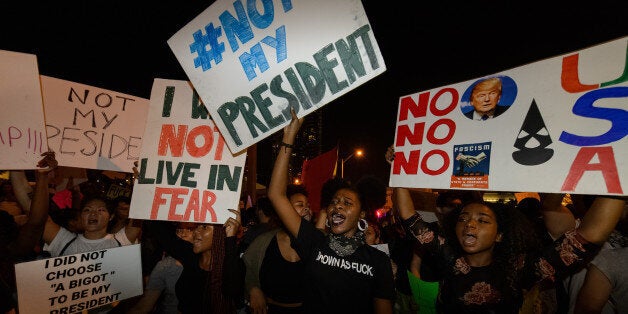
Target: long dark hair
<point x="218" y="302"/>
<point x="518" y="238"/>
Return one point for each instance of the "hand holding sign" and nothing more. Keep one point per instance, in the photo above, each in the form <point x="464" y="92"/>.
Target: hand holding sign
<point x="232" y="225"/>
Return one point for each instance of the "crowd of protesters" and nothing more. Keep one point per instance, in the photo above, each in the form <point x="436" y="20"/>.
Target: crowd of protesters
<point x="433" y="252"/>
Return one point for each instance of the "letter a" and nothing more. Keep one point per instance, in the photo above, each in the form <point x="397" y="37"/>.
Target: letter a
<point x="607" y="166"/>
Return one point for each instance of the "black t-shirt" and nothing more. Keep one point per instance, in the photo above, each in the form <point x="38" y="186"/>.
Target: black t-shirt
<point x="193" y="287"/>
<point x="281" y="280"/>
<point x="335" y="284"/>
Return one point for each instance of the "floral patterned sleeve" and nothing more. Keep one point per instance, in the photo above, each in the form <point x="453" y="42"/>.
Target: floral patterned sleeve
<point x="429" y="238"/>
<point x="565" y="256"/>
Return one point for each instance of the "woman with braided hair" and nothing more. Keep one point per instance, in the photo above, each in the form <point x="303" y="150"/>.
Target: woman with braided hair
<point x="205" y="284"/>
<point x="212" y="278"/>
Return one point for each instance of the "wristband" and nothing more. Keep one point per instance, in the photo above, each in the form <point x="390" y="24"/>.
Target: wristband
<point x="286" y="145"/>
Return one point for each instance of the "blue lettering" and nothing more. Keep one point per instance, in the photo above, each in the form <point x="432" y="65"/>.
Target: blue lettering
<point x="236" y="27"/>
<point x="618" y="117"/>
<point x="261" y="21"/>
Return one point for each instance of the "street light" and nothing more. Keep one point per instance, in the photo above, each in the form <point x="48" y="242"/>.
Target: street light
<point x="357" y="152"/>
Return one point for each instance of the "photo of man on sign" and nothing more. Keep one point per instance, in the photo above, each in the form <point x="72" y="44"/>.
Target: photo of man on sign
<point x="486" y="99"/>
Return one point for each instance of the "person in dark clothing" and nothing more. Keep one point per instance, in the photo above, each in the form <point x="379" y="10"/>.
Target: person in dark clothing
<point x="489" y="258"/>
<point x="268" y="220"/>
<point x="343" y="274"/>
<point x="274" y="270"/>
<point x="211" y="280"/>
<point x="17" y="243"/>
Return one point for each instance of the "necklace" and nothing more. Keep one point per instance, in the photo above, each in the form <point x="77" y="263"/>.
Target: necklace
<point x="344" y="246"/>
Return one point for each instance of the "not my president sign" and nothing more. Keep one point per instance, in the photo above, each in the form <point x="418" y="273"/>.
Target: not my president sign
<point x="186" y="171"/>
<point x="250" y="61"/>
<point x="93" y="128"/>
<point x="73" y="283"/>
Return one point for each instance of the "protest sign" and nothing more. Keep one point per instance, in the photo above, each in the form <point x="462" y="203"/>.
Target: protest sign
<point x="251" y="63"/>
<point x="93" y="128"/>
<point x="73" y="283"/>
<point x="22" y="127"/>
<point x="186" y="172"/>
<point x="559" y="126"/>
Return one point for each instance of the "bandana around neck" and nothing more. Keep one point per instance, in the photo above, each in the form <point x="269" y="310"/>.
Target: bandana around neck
<point x="344" y="246"/>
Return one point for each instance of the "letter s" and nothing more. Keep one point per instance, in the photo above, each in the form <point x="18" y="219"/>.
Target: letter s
<point x="618" y="117"/>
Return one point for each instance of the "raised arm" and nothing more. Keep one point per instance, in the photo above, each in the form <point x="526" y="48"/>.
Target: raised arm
<point x="558" y="218"/>
<point x="21" y="188"/>
<point x="402" y="200"/>
<point x="233" y="270"/>
<point x="279" y="178"/>
<point x="133" y="229"/>
<point x="600" y="219"/>
<point x="403" y="204"/>
<point x="32" y="231"/>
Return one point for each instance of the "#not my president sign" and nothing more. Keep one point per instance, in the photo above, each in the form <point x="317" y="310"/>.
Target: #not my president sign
<point x="250" y="61"/>
<point x="93" y="128"/>
<point x="558" y="125"/>
<point x="186" y="171"/>
<point x="22" y="127"/>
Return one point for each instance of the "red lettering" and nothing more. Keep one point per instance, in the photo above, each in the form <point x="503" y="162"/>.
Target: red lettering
<point x="220" y="146"/>
<point x="569" y="77"/>
<point x="209" y="198"/>
<point x="445" y="162"/>
<point x="195" y="209"/>
<point x="438" y="133"/>
<point x="158" y="200"/>
<point x="14" y="136"/>
<point x="176" y="141"/>
<point x="193" y="206"/>
<point x="176" y="200"/>
<point x="410" y="165"/>
<point x="172" y="139"/>
<point x="200" y="209"/>
<point x="417" y="109"/>
<point x="607" y="166"/>
<point x="431" y="132"/>
<point x="454" y="102"/>
<point x="414" y="137"/>
<point x="208" y="140"/>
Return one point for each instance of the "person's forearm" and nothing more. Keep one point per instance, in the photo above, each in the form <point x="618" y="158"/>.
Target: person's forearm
<point x="279" y="176"/>
<point x="558" y="219"/>
<point x="33" y="230"/>
<point x="321" y="220"/>
<point x="279" y="179"/>
<point x="21" y="188"/>
<point x="133" y="229"/>
<point x="40" y="203"/>
<point x="600" y="220"/>
<point x="403" y="203"/>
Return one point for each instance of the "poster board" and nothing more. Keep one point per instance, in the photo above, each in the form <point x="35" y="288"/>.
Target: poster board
<point x="251" y="63"/>
<point x="93" y="128"/>
<point x="22" y="127"/>
<point x="186" y="171"/>
<point x="72" y="283"/>
<point x="561" y="128"/>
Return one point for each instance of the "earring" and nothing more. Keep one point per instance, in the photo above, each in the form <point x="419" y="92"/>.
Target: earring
<point x="327" y="223"/>
<point x="362" y="224"/>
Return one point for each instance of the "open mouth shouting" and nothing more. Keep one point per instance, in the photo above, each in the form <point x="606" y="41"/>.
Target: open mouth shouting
<point x="337" y="219"/>
<point x="468" y="239"/>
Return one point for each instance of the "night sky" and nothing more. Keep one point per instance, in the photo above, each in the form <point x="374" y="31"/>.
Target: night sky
<point x="121" y="46"/>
